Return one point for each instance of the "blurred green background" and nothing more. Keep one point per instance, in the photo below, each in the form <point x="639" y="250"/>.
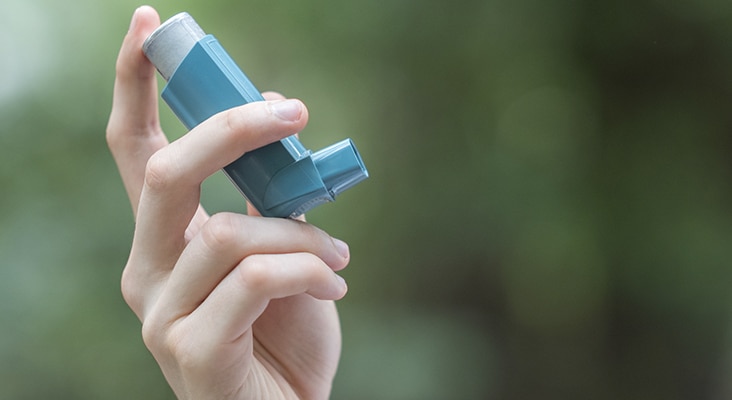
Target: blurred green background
<point x="549" y="213"/>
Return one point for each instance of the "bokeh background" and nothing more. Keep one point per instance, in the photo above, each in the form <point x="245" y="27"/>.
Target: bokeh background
<point x="549" y="213"/>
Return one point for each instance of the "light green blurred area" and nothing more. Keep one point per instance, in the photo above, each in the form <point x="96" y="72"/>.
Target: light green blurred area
<point x="549" y="213"/>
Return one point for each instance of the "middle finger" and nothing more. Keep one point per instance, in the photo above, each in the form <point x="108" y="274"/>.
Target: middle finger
<point x="226" y="240"/>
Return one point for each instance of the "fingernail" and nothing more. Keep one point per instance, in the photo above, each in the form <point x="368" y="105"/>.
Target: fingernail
<point x="287" y="110"/>
<point x="341" y="247"/>
<point x="342" y="282"/>
<point x="133" y="23"/>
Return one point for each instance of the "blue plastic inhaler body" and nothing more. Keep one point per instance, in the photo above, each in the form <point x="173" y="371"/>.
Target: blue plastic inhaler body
<point x="282" y="179"/>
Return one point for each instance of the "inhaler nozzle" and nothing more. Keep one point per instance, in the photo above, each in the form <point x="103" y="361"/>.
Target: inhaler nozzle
<point x="340" y="166"/>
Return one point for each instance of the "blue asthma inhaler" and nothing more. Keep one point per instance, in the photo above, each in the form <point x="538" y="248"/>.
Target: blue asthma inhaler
<point x="282" y="179"/>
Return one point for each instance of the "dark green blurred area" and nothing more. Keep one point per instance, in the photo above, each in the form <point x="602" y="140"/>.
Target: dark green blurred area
<point x="549" y="213"/>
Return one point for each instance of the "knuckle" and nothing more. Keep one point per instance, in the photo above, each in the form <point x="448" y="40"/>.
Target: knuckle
<point x="130" y="291"/>
<point x="121" y="67"/>
<point x="161" y="338"/>
<point x="189" y="351"/>
<point x="155" y="334"/>
<point x="232" y="119"/>
<point x="238" y="122"/>
<point x="159" y="171"/>
<point x="187" y="357"/>
<point x="114" y="133"/>
<point x="151" y="336"/>
<point x="254" y="273"/>
<point x="220" y="232"/>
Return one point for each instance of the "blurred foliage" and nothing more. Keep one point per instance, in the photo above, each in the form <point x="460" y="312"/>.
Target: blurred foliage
<point x="549" y="213"/>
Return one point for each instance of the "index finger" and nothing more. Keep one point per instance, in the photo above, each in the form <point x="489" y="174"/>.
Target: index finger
<point x="133" y="131"/>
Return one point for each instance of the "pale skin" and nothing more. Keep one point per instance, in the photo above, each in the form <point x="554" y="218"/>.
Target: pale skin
<point x="232" y="306"/>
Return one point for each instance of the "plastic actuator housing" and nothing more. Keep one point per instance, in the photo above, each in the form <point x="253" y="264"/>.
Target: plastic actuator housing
<point x="282" y="179"/>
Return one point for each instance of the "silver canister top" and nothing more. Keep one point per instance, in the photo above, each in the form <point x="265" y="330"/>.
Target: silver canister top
<point x="168" y="45"/>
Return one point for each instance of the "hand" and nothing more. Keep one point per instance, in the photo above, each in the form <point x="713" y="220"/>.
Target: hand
<point x="232" y="306"/>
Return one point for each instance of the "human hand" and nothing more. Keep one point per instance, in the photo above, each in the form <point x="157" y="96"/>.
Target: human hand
<point x="232" y="306"/>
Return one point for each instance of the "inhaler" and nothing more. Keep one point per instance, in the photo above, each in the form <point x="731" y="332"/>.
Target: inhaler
<point x="281" y="179"/>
